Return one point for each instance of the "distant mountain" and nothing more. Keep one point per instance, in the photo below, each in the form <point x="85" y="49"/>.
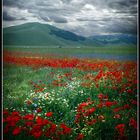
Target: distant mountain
<point x="37" y="34"/>
<point x="116" y="39"/>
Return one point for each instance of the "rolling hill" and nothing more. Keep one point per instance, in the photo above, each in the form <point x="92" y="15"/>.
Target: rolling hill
<point x="37" y="34"/>
<point x="116" y="39"/>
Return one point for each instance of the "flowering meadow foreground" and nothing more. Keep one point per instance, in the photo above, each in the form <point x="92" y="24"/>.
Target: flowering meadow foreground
<point x="69" y="99"/>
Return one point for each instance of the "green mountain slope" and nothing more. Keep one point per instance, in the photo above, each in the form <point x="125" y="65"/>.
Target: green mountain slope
<point x="37" y="34"/>
<point x="41" y="34"/>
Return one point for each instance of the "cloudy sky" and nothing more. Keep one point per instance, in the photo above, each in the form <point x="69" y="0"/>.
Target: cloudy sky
<point x="83" y="17"/>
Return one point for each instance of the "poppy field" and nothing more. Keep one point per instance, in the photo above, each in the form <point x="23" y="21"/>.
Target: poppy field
<point x="51" y="97"/>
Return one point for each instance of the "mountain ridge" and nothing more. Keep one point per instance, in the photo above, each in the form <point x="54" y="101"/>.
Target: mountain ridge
<point x="40" y="34"/>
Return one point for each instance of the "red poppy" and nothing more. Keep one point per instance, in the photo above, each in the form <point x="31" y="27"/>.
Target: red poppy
<point x="108" y="104"/>
<point x="5" y="112"/>
<point x="92" y="122"/>
<point x="80" y="136"/>
<point x="118" y="109"/>
<point x="90" y="111"/>
<point x="28" y="124"/>
<point x="49" y="114"/>
<point x="117" y="116"/>
<point x="100" y="96"/>
<point x="126" y="106"/>
<point x="15" y="113"/>
<point x="53" y="128"/>
<point x="133" y="123"/>
<point x="37" y="134"/>
<point x="66" y="129"/>
<point x="16" y="131"/>
<point x="41" y="89"/>
<point x="39" y="110"/>
<point x="120" y="128"/>
<point x="46" y="122"/>
<point x="39" y="120"/>
<point x="134" y="102"/>
<point x="101" y="117"/>
<point x="29" y="117"/>
<point x="130" y="91"/>
<point x="82" y="105"/>
<point x="100" y="105"/>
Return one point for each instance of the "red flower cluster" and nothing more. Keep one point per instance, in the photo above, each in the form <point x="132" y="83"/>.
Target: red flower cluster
<point x="92" y="122"/>
<point x="29" y="117"/>
<point x="126" y="106"/>
<point x="120" y="128"/>
<point x="133" y="123"/>
<point x="89" y="111"/>
<point x="82" y="64"/>
<point x="35" y="126"/>
<point x="109" y="104"/>
<point x="65" y="128"/>
<point x="81" y="106"/>
<point x="102" y="97"/>
<point x="80" y="136"/>
<point x="16" y="131"/>
<point x="117" y="116"/>
<point x="49" y="114"/>
<point x="36" y="131"/>
<point x="12" y="119"/>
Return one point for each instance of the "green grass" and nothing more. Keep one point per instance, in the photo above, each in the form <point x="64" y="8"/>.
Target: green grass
<point x="63" y="101"/>
<point x="16" y="83"/>
<point x="15" y="79"/>
<point x="83" y="50"/>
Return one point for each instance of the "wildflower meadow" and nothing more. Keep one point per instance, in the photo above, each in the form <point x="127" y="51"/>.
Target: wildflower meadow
<point x="68" y="98"/>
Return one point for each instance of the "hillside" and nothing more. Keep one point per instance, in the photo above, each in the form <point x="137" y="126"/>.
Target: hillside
<point x="37" y="34"/>
<point x="40" y="34"/>
<point x="117" y="39"/>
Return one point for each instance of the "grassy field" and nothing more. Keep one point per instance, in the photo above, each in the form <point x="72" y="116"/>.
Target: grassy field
<point x="67" y="51"/>
<point x="68" y="98"/>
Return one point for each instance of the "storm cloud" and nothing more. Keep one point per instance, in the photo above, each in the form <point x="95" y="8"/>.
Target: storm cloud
<point x="83" y="17"/>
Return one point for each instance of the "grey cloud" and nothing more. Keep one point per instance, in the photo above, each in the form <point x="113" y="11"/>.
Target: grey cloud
<point x="123" y="29"/>
<point x="14" y="3"/>
<point x="9" y="2"/>
<point x="122" y="4"/>
<point x="125" y="25"/>
<point x="60" y="20"/>
<point x="66" y="1"/>
<point x="122" y="26"/>
<point x="8" y="17"/>
<point x="45" y="19"/>
<point x="119" y="5"/>
<point x="54" y="19"/>
<point x="89" y="19"/>
<point x="121" y="17"/>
